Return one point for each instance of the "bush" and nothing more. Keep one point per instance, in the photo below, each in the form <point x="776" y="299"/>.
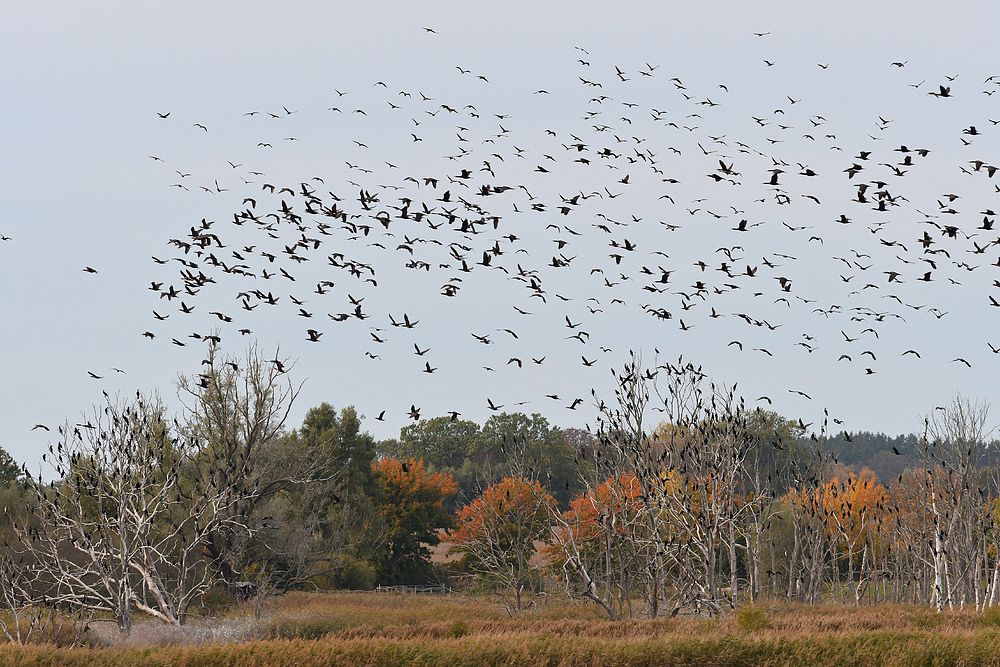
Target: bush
<point x="926" y="620"/>
<point x="752" y="618"/>
<point x="358" y="577"/>
<point x="459" y="628"/>
<point x="990" y="618"/>
<point x="303" y="628"/>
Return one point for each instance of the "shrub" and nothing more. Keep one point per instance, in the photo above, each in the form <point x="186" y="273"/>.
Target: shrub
<point x="358" y="577"/>
<point x="990" y="618"/>
<point x="752" y="618"/>
<point x="925" y="619"/>
<point x="459" y="628"/>
<point x="303" y="628"/>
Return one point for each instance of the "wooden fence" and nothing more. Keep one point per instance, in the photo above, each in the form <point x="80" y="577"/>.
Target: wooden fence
<point x="415" y="590"/>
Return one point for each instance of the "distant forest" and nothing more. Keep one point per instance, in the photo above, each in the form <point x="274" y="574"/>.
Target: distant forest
<point x="877" y="452"/>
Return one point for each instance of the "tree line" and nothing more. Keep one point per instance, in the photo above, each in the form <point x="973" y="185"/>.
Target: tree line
<point x="716" y="505"/>
<point x="135" y="511"/>
<point x="706" y="506"/>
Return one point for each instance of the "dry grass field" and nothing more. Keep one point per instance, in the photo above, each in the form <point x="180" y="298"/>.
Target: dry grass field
<point x="306" y="630"/>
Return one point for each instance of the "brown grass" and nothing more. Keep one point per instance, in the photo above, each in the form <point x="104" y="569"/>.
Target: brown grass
<point x="308" y="630"/>
<point x="371" y="616"/>
<point x="850" y="649"/>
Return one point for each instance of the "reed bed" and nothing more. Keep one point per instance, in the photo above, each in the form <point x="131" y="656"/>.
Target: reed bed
<point x="846" y="649"/>
<point x="307" y="630"/>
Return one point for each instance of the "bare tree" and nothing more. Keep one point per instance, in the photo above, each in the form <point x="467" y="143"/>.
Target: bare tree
<point x="109" y="536"/>
<point x="236" y="409"/>
<point x="658" y="506"/>
<point x="669" y="513"/>
<point x="20" y="617"/>
<point x="139" y="509"/>
<point x="954" y="449"/>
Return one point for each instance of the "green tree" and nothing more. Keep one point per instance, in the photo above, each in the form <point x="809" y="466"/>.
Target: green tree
<point x="9" y="470"/>
<point x="348" y="452"/>
<point x="322" y="530"/>
<point x="550" y="454"/>
<point x="236" y="409"/>
<point x="776" y="446"/>
<point x="442" y="442"/>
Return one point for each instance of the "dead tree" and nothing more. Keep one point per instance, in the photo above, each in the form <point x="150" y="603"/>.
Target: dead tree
<point x="954" y="448"/>
<point x="133" y="502"/>
<point x="109" y="536"/>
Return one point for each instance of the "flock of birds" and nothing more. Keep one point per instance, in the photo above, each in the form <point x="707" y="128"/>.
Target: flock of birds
<point x="767" y="228"/>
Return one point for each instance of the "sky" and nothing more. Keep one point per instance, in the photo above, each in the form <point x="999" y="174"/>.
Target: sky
<point x="627" y="145"/>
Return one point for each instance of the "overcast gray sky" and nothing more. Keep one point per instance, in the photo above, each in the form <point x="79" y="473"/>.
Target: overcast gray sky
<point x="673" y="96"/>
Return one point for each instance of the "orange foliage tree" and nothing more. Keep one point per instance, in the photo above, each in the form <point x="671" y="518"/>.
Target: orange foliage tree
<point x="605" y="541"/>
<point x="594" y="518"/>
<point x="854" y="514"/>
<point x="411" y="510"/>
<point x="498" y="531"/>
